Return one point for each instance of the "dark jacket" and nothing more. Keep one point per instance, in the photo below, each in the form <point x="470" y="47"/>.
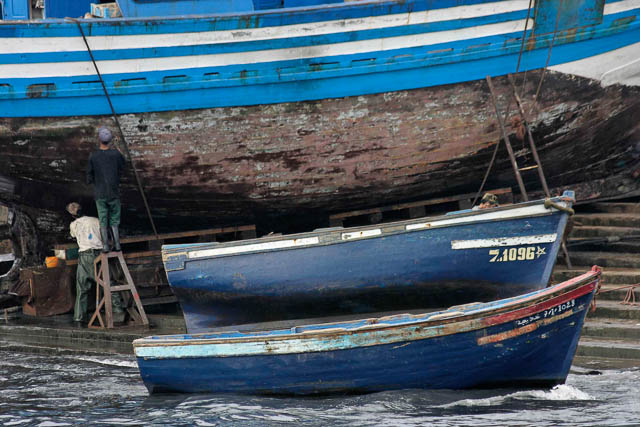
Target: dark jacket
<point x="104" y="170"/>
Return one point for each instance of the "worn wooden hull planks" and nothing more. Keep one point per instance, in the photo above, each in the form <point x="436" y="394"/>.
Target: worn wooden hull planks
<point x="259" y="163"/>
<point x="456" y="258"/>
<point x="522" y="341"/>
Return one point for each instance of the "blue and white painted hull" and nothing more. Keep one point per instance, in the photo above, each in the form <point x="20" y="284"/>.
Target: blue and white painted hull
<point x="522" y="341"/>
<point x="293" y="54"/>
<point x="426" y="262"/>
<point x="262" y="114"/>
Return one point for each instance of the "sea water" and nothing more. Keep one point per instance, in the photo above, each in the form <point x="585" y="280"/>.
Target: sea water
<point x="57" y="388"/>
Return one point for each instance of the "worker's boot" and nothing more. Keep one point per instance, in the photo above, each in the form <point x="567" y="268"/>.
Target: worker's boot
<point x="116" y="238"/>
<point x="104" y="234"/>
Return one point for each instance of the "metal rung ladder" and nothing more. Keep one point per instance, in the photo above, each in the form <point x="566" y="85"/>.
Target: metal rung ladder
<point x="532" y="145"/>
<point x="104" y="288"/>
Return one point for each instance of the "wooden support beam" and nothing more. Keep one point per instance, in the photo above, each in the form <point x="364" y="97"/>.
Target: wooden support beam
<point x="171" y="236"/>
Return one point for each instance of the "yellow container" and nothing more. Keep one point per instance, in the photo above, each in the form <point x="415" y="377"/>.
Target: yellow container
<point x="51" y="262"/>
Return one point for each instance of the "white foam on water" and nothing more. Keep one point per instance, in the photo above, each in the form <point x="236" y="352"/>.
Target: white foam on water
<point x="281" y="418"/>
<point x="52" y="424"/>
<point x="488" y="401"/>
<point x="109" y="362"/>
<point x="118" y="421"/>
<point x="239" y="417"/>
<point x="561" y="392"/>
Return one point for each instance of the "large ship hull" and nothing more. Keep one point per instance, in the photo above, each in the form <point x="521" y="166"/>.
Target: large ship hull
<point x="253" y="164"/>
<point x="268" y="116"/>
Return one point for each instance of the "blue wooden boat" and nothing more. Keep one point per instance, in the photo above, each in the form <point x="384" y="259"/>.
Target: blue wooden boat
<point x="522" y="341"/>
<point x="452" y="259"/>
<point x="254" y="110"/>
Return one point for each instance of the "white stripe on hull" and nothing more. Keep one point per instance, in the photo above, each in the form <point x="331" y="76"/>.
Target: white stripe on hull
<point x="70" y="44"/>
<point x="621" y="6"/>
<point x="361" y="234"/>
<point x="85" y="68"/>
<point x="503" y="241"/>
<point x="620" y="66"/>
<point x="280" y="244"/>
<point x="496" y="215"/>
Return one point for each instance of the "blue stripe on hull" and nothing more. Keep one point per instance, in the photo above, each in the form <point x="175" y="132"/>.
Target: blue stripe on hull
<point x="542" y="357"/>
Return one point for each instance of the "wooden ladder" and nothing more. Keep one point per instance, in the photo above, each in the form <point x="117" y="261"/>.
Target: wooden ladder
<point x="104" y="289"/>
<point x="532" y="145"/>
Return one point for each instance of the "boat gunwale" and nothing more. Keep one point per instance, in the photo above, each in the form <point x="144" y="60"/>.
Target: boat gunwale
<point x="487" y="310"/>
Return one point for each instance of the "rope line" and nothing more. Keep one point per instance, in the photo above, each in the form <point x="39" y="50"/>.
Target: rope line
<point x="630" y="297"/>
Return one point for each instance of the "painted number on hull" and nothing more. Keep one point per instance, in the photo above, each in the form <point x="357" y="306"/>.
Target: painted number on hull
<point x="516" y="254"/>
<point x="558" y="309"/>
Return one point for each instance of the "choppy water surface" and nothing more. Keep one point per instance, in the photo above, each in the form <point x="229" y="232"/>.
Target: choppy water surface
<point x="54" y="389"/>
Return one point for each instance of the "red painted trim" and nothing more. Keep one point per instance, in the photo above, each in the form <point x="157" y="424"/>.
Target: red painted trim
<point x="527" y="311"/>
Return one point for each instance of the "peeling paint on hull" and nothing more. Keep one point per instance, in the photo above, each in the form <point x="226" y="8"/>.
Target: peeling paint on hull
<point x="252" y="164"/>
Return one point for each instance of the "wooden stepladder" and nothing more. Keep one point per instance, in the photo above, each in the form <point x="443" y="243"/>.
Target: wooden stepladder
<point x="104" y="289"/>
<point x="516" y="169"/>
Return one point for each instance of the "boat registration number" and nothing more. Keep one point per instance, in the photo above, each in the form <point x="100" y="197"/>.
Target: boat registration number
<point x="550" y="312"/>
<point x="525" y="253"/>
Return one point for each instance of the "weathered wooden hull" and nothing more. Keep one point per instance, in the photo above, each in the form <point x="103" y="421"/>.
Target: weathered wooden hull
<point x="434" y="262"/>
<point x="301" y="160"/>
<point x="523" y="341"/>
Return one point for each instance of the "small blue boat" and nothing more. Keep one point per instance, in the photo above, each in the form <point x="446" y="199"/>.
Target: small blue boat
<point x="522" y="341"/>
<point x="436" y="262"/>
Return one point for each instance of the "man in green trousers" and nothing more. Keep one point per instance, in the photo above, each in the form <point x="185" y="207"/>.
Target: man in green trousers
<point x="103" y="171"/>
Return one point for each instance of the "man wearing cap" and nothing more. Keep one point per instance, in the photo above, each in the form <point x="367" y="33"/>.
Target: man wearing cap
<point x="104" y="171"/>
<point x="86" y="231"/>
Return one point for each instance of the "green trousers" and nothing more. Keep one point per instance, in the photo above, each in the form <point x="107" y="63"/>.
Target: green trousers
<point x="85" y="278"/>
<point x="108" y="212"/>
